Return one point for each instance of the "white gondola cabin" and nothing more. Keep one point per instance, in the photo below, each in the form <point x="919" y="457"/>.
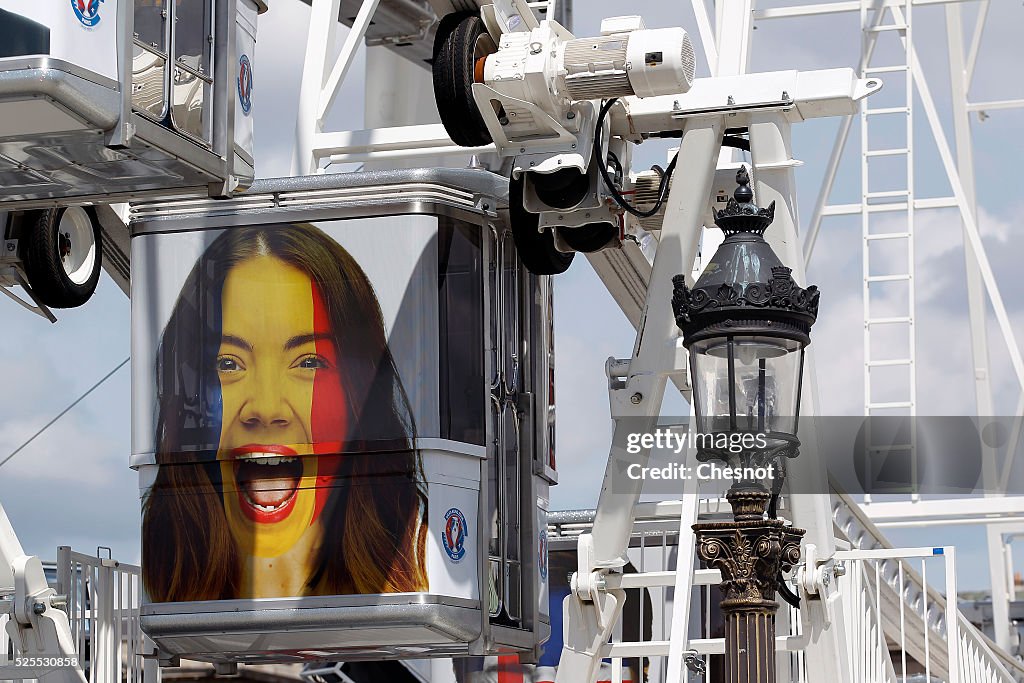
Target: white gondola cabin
<point x="342" y="403"/>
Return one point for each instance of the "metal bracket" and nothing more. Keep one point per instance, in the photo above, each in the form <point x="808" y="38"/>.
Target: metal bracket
<point x="14" y="273"/>
<point x="695" y="663"/>
<point x="559" y="140"/>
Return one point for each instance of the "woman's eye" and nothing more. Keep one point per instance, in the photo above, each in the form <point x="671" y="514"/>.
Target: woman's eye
<point x="227" y="364"/>
<point x="312" y="363"/>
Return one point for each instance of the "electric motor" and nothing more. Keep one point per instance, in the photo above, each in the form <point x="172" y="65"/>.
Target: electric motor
<point x="644" y="63"/>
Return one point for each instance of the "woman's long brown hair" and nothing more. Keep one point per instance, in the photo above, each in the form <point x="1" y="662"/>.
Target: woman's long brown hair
<point x="375" y="519"/>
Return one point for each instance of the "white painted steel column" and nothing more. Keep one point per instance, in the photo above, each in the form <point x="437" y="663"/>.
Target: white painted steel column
<point x="323" y="23"/>
<point x="655" y="354"/>
<point x="10" y="550"/>
<point x="733" y="31"/>
<point x="400" y="93"/>
<point x="771" y="152"/>
<point x="772" y="156"/>
<point x="976" y="306"/>
<point x="636" y="407"/>
<point x="952" y="617"/>
<point x="734" y="22"/>
<point x="1000" y="586"/>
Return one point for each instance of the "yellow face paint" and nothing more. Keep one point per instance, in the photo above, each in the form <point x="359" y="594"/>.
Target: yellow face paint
<point x="267" y="363"/>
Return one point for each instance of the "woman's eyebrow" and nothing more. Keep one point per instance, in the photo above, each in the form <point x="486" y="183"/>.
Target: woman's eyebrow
<point x="235" y="341"/>
<point x="301" y="339"/>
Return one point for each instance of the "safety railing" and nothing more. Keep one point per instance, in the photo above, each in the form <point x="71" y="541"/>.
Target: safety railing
<point x="913" y="614"/>
<point x="917" y="626"/>
<point x="896" y="624"/>
<point x="103" y="604"/>
<point x="7" y="653"/>
<point x="640" y="642"/>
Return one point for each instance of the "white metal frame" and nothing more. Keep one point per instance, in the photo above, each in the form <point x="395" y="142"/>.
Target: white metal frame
<point x="38" y="629"/>
<point x="643" y="289"/>
<point x="627" y="273"/>
<point x="981" y="284"/>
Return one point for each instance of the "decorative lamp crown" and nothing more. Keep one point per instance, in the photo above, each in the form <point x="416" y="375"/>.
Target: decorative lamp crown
<point x="745" y="288"/>
<point x="741" y="214"/>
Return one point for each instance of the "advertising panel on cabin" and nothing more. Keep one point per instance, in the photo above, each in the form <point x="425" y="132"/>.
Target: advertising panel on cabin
<point x="289" y="409"/>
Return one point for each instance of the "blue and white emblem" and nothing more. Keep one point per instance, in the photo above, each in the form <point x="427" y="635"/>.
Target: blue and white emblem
<point x="454" y="536"/>
<point x="245" y="84"/>
<point x="87" y="11"/>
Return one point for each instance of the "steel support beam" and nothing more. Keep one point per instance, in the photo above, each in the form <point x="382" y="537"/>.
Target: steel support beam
<point x="591" y="611"/>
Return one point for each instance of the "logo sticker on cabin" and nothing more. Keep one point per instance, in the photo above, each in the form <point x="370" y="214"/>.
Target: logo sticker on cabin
<point x="454" y="535"/>
<point x="87" y="11"/>
<point x="245" y="84"/>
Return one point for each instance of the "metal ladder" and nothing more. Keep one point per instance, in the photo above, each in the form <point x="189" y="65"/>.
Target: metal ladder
<point x="888" y="254"/>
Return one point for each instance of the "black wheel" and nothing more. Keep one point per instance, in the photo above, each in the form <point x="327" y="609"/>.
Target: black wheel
<point x="62" y="256"/>
<point x="536" y="249"/>
<point x="460" y="41"/>
<point x="590" y="237"/>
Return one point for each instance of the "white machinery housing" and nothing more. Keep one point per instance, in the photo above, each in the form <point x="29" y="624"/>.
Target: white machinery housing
<point x="106" y="100"/>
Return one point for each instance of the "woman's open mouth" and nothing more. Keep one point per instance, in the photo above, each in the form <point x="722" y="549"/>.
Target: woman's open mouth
<point x="268" y="480"/>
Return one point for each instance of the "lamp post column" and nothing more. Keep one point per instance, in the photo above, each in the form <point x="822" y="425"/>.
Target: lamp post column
<point x="750" y="551"/>
<point x="746" y="324"/>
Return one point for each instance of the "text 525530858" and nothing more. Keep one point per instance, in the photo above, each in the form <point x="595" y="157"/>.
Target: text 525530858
<point x="46" y="661"/>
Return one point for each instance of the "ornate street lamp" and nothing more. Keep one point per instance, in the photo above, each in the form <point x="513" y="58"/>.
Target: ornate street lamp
<point x="746" y="324"/>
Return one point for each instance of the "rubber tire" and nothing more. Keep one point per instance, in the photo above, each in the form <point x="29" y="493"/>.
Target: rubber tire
<point x="589" y="238"/>
<point x="536" y="249"/>
<point x="43" y="267"/>
<point x="453" y="68"/>
<point x="563" y="189"/>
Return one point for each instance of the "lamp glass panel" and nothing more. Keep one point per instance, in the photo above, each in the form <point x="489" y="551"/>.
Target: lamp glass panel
<point x="760" y="394"/>
<point x="710" y="380"/>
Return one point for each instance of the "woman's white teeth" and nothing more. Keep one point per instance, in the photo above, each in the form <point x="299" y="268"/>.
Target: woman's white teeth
<point x="264" y="459"/>
<point x="264" y="508"/>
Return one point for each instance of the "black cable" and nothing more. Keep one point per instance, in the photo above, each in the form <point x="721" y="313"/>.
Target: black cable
<point x="602" y="166"/>
<point x="773" y="513"/>
<point x="777" y="482"/>
<point x="788" y="595"/>
<point x="613" y="159"/>
<point x="736" y="142"/>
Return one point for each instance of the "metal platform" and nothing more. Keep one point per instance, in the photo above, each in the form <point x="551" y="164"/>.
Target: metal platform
<point x="66" y="158"/>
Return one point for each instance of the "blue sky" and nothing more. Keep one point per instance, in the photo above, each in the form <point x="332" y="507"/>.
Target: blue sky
<point x="73" y="485"/>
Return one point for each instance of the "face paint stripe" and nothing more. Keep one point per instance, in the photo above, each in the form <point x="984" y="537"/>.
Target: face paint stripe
<point x="329" y="414"/>
<point x="267" y="302"/>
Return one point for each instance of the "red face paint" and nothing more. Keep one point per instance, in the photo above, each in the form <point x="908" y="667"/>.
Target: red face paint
<point x="329" y="412"/>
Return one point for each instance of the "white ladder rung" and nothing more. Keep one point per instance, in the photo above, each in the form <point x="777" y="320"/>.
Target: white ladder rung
<point x="887" y="278"/>
<point x="885" y="69"/>
<point x="888" y="207"/>
<point x="887" y="236"/>
<point x="887" y="27"/>
<point x="890" y="404"/>
<point x="887" y="193"/>
<point x="888" y="363"/>
<point x="887" y="110"/>
<point x="887" y="152"/>
<point x="890" y="321"/>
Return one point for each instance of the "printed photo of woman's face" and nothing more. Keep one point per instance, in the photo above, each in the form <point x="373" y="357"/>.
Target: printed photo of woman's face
<point x="283" y="431"/>
<point x="282" y="401"/>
